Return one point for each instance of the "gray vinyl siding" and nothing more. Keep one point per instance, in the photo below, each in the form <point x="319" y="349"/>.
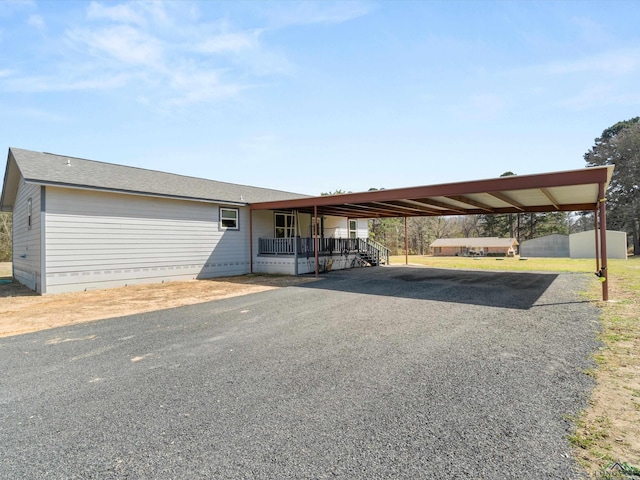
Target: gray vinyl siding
<point x="100" y="240"/>
<point x="27" y="240"/>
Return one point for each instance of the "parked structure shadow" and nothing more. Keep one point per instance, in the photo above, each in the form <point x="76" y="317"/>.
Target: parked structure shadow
<point x="519" y="290"/>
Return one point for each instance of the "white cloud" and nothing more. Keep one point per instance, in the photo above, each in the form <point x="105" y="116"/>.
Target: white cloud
<point x="229" y="42"/>
<point x="121" y="42"/>
<point x="36" y="21"/>
<point x="118" y="13"/>
<point x="314" y="12"/>
<point x="65" y="82"/>
<point x="166" y="54"/>
<point x="600" y="95"/>
<point x="620" y="62"/>
<point x="199" y="87"/>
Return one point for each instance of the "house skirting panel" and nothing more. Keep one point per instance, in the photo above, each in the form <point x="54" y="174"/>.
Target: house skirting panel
<point x="96" y="279"/>
<point x="285" y="265"/>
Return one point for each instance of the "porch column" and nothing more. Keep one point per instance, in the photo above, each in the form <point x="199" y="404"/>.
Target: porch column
<point x="250" y="240"/>
<point x="406" y="243"/>
<point x="603" y="243"/>
<point x="595" y="221"/>
<point x="315" y="235"/>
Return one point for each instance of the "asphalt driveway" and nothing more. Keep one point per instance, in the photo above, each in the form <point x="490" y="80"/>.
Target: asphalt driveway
<point x="372" y="373"/>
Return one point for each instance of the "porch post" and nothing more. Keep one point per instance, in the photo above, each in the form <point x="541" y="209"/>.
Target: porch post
<point x="595" y="221"/>
<point x="603" y="243"/>
<point x="250" y="240"/>
<point x="406" y="243"/>
<point x="315" y="235"/>
<point x="295" y="251"/>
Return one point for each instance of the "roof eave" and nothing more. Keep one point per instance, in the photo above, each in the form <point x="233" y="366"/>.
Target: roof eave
<point x="133" y="192"/>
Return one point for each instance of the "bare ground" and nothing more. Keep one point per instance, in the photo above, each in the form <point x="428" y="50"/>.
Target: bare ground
<point x="23" y="311"/>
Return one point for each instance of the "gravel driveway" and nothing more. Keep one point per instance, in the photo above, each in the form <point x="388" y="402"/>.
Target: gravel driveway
<point x="393" y="372"/>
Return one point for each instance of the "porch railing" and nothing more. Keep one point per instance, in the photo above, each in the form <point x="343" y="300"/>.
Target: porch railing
<point x="327" y="246"/>
<point x="276" y="246"/>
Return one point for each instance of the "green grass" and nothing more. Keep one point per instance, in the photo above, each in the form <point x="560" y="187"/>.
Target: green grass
<point x="584" y="265"/>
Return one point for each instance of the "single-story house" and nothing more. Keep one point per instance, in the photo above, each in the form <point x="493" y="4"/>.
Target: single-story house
<point x="576" y="245"/>
<point x="81" y="224"/>
<point x="481" y="246"/>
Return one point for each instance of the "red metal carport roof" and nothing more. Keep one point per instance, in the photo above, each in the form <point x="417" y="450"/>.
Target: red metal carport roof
<point x="566" y="191"/>
<point x="573" y="190"/>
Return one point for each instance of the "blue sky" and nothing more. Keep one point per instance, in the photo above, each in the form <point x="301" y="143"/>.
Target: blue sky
<point x="318" y="96"/>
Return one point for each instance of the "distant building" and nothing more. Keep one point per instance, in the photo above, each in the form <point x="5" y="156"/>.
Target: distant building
<point x="576" y="245"/>
<point x="556" y="246"/>
<point x="483" y="246"/>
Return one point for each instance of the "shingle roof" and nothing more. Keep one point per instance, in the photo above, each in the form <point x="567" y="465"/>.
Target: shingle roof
<point x="475" y="242"/>
<point x="51" y="169"/>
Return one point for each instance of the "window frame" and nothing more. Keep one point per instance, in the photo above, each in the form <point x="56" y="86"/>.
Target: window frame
<point x="353" y="232"/>
<point x="288" y="228"/>
<point x="223" y="218"/>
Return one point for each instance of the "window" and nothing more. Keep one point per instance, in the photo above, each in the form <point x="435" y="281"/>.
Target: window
<point x="285" y="225"/>
<point x="229" y="218"/>
<point x="29" y="211"/>
<point x="353" y="229"/>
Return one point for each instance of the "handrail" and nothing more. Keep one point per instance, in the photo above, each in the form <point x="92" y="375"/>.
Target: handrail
<point x="380" y="251"/>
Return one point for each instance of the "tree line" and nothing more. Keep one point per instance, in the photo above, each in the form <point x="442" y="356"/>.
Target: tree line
<point x="422" y="231"/>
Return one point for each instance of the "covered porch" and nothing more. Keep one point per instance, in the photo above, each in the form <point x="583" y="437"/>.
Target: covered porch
<point x="289" y="241"/>
<point x="297" y="255"/>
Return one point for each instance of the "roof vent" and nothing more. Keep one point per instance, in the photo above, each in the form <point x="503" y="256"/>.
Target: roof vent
<point x="68" y="162"/>
<point x="241" y="199"/>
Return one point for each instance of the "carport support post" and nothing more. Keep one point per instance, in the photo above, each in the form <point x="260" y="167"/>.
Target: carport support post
<point x="406" y="243"/>
<point x="315" y="235"/>
<point x="250" y="240"/>
<point x="603" y="243"/>
<point x="596" y="230"/>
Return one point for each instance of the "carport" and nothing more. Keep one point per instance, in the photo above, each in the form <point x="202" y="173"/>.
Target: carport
<point x="566" y="191"/>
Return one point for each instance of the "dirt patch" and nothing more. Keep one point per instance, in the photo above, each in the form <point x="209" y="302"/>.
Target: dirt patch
<point x="23" y="311"/>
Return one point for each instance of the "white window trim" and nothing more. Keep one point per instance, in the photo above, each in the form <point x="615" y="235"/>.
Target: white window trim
<point x="223" y="218"/>
<point x="289" y="230"/>
<point x="353" y="230"/>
